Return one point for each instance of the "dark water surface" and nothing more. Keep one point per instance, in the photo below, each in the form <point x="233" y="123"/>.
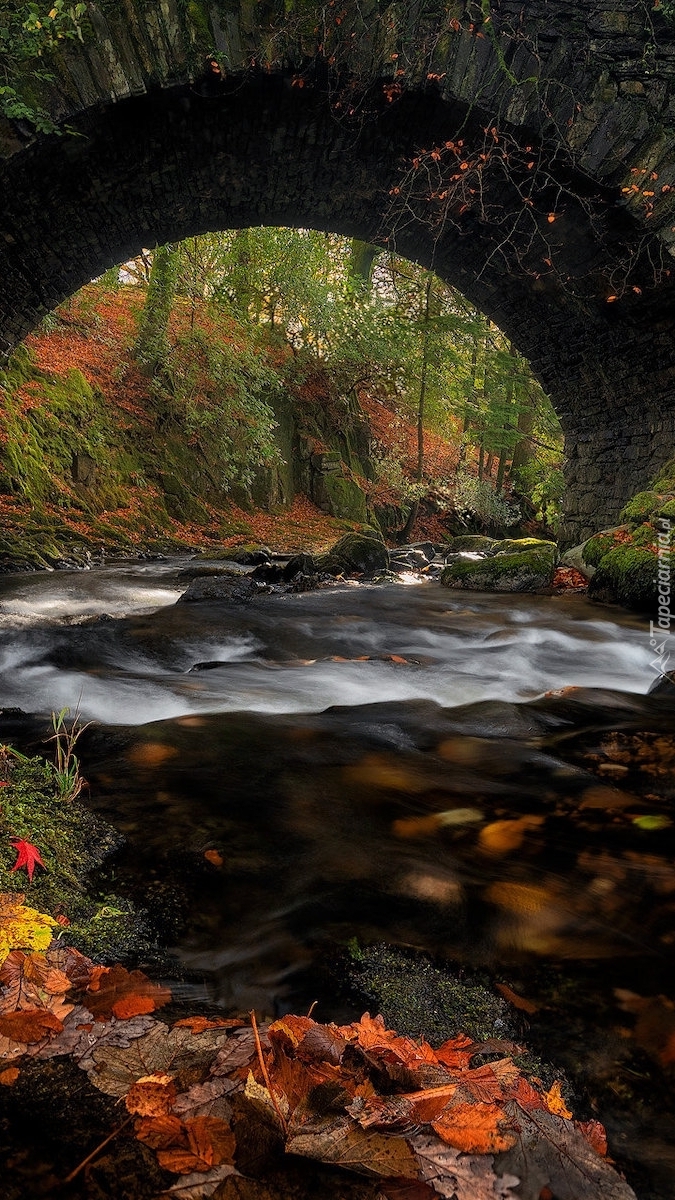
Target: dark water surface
<point x="444" y="802"/>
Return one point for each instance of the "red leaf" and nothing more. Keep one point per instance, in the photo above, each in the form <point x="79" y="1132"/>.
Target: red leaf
<point x="27" y="856"/>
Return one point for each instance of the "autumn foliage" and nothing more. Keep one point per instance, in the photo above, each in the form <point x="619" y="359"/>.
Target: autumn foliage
<point x="461" y="1120"/>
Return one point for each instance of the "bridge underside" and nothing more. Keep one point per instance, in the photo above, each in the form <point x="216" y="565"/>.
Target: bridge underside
<point x="184" y="160"/>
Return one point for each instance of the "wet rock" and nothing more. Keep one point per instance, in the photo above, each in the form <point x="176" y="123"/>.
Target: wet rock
<point x="409" y="560"/>
<point x="664" y="686"/>
<point x="228" y="585"/>
<point x="627" y="575"/>
<point x="426" y="548"/>
<point x="300" y="564"/>
<point x="511" y="570"/>
<point x="574" y="557"/>
<point x="355" y="552"/>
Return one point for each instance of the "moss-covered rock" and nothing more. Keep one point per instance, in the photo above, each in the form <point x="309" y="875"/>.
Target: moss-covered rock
<point x="471" y="543"/>
<point x="667" y="511"/>
<point x="423" y="1000"/>
<point x="528" y="571"/>
<point x="640" y="507"/>
<point x="249" y="555"/>
<point x="341" y="497"/>
<point x="597" y="547"/>
<point x="627" y="575"/>
<point x="519" y="545"/>
<point x="354" y="552"/>
<point x="665" y="480"/>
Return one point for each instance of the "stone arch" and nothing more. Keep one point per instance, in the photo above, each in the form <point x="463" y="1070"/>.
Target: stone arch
<point x="157" y="149"/>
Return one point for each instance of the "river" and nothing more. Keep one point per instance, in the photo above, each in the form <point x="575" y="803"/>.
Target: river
<point x="483" y="778"/>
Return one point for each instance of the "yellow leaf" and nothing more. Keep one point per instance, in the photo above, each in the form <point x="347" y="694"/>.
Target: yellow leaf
<point x="22" y="928"/>
<point x="555" y="1102"/>
<point x="53" y="14"/>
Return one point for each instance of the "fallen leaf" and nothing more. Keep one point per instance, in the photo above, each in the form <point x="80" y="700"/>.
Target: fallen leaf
<point x="457" y="1052"/>
<point x="554" y="1101"/>
<point x="198" y="1185"/>
<point x="210" y="1143"/>
<point x="339" y="1141"/>
<point x="161" y="1132"/>
<point x="123" y="994"/>
<point x="206" y="1099"/>
<point x="81" y="1035"/>
<point x="27" y="857"/>
<point x="29" y="1025"/>
<point x="501" y="837"/>
<point x="9" y="1076"/>
<point x="550" y="1153"/>
<point x="595" y="1134"/>
<point x="453" y="1175"/>
<point x="214" y="857"/>
<point x="151" y="1096"/>
<point x="160" y="1051"/>
<point x="475" y="1128"/>
<point x="199" y="1024"/>
<point x="22" y="928"/>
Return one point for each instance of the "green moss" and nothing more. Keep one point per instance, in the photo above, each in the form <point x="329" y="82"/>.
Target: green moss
<point x="528" y="571"/>
<point x="667" y="510"/>
<point x="665" y="480"/>
<point x="627" y="575"/>
<point x="422" y="1000"/>
<point x="343" y="498"/>
<point x="641" y="507"/>
<point x="473" y="543"/>
<point x="354" y="552"/>
<point x="597" y="547"/>
<point x="645" y="535"/>
<point x="519" y="545"/>
<point x="72" y="843"/>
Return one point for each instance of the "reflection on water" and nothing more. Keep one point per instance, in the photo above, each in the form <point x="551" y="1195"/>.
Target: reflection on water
<point x="381" y="763"/>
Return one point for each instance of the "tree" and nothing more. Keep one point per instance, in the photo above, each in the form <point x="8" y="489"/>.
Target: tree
<point x="151" y="348"/>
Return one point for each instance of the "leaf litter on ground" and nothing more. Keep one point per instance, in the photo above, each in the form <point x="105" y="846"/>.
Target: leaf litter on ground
<point x="424" y="1122"/>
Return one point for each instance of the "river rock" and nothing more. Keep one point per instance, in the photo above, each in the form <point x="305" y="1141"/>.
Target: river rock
<point x="355" y="552"/>
<point x="664" y="686"/>
<point x="249" y="556"/>
<point x="228" y="585"/>
<point x="471" y="543"/>
<point x="574" y="557"/>
<point x="521" y="567"/>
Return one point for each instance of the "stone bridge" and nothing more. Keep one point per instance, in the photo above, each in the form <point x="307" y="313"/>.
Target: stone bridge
<point x="523" y="148"/>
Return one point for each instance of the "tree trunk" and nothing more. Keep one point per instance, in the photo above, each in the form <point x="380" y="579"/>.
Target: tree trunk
<point x="361" y="258"/>
<point x="152" y="344"/>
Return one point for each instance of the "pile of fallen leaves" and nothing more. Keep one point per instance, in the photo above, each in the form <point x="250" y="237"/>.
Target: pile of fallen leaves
<point x="460" y="1121"/>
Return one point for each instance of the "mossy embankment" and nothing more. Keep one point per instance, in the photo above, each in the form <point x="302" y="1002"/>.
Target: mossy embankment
<point x="97" y="456"/>
<point x="72" y="843"/>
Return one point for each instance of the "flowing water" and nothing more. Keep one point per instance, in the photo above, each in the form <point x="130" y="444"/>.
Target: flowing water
<point x="481" y="777"/>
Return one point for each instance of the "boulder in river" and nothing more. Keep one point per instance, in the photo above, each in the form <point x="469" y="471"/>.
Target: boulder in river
<point x="525" y="565"/>
<point x="355" y="552"/>
<point x="228" y="585"/>
<point x="472" y="543"/>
